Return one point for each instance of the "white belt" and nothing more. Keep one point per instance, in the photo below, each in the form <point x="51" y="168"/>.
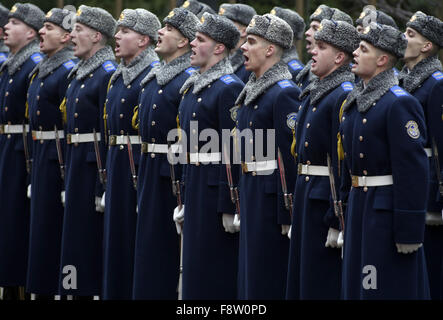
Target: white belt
<point x="118" y="140"/>
<point x="204" y="157"/>
<point x="259" y="166"/>
<point x="160" y="148"/>
<point x="309" y="170"/>
<point x="81" y="138"/>
<point x="428" y="152"/>
<point x="47" y="135"/>
<point x="13" y="128"/>
<point x="371" y="181"/>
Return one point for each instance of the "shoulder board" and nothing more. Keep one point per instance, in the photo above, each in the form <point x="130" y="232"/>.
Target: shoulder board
<point x="285" y="83"/>
<point x="295" y="65"/>
<point x="108" y="66"/>
<point x="36" y="57"/>
<point x="69" y="64"/>
<point x="399" y="92"/>
<point x="347" y="86"/>
<point x="438" y="75"/>
<point x="190" y="70"/>
<point x="227" y="79"/>
<point x="155" y="63"/>
<point x="3" y="57"/>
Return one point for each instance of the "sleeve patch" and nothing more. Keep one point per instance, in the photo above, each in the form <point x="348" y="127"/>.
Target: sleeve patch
<point x="3" y="57"/>
<point x="438" y="75"/>
<point x="69" y="64"/>
<point x="227" y="79"/>
<point x="290" y="120"/>
<point x="190" y="70"/>
<point x="36" y="57"/>
<point x="347" y="86"/>
<point x="412" y="129"/>
<point x="108" y="66"/>
<point x="295" y="65"/>
<point x="285" y="84"/>
<point x="399" y="92"/>
<point x="155" y="63"/>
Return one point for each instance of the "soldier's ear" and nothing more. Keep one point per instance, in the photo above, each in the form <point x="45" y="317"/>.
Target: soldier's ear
<point x="31" y="33"/>
<point x="183" y="42"/>
<point x="143" y="41"/>
<point x="66" y="37"/>
<point x="427" y="47"/>
<point x="270" y="50"/>
<point x="220" y="48"/>
<point x="382" y="60"/>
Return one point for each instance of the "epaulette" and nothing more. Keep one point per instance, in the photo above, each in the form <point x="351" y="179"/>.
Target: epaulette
<point x="37" y="58"/>
<point x="228" y="79"/>
<point x="69" y="64"/>
<point x="399" y="92"/>
<point x="285" y="84"/>
<point x="438" y="75"/>
<point x="295" y="65"/>
<point x="108" y="66"/>
<point x="347" y="86"/>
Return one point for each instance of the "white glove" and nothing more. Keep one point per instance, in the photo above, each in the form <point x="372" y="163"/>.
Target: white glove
<point x="331" y="240"/>
<point x="28" y="193"/>
<point x="228" y="223"/>
<point x="285" y="229"/>
<point x="103" y="201"/>
<point x="98" y="206"/>
<point x="62" y="197"/>
<point x="340" y="240"/>
<point x="434" y="219"/>
<point x="289" y="232"/>
<point x="408" y="248"/>
<point x="237" y="221"/>
<point x="179" y="217"/>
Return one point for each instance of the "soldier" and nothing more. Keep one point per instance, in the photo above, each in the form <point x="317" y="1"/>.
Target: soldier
<point x="135" y="40"/>
<point x="85" y="98"/>
<point x="21" y="36"/>
<point x="156" y="269"/>
<point x="4" y="50"/>
<point x="298" y="25"/>
<point x="315" y="267"/>
<point x="197" y="8"/>
<point x="268" y="103"/>
<point x="383" y="133"/>
<point x="241" y="15"/>
<point x="369" y="15"/>
<point x="305" y="75"/>
<point x="422" y="77"/>
<point x="46" y="91"/>
<point x="210" y="245"/>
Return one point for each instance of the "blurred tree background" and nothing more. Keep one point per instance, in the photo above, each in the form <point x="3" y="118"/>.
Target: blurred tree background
<point x="400" y="10"/>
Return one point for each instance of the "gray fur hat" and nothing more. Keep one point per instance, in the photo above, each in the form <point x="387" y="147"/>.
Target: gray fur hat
<point x="220" y="29"/>
<point x="184" y="21"/>
<point x="205" y="8"/>
<point x="273" y="29"/>
<point x="340" y="34"/>
<point x="141" y="21"/>
<point x="379" y="17"/>
<point x="325" y="12"/>
<point x="61" y="18"/>
<point x="293" y="19"/>
<point x="386" y="38"/>
<point x="30" y="14"/>
<point x="238" y="12"/>
<point x="97" y="19"/>
<point x="197" y="7"/>
<point x="4" y="12"/>
<point x="428" y="26"/>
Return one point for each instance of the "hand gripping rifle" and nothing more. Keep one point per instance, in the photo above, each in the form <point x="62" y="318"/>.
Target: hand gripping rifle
<point x="101" y="171"/>
<point x="338" y="207"/>
<point x="287" y="196"/>
<point x="131" y="162"/>
<point x="437" y="167"/>
<point x="59" y="153"/>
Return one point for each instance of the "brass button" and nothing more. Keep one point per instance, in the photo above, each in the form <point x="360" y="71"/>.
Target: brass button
<point x="194" y="115"/>
<point x="308" y="162"/>
<point x="152" y="155"/>
<point x="308" y="125"/>
<point x="306" y="144"/>
<point x="10" y="81"/>
<point x="76" y="115"/>
<point x="38" y="112"/>
<point x="197" y="164"/>
<point x="41" y="142"/>
<point x="121" y="115"/>
<point x="314" y="109"/>
<point x="7" y="93"/>
<point x="343" y="137"/>
<point x="82" y="86"/>
<point x="362" y="155"/>
<point x="76" y="100"/>
<point x="307" y="179"/>
<point x="255" y="107"/>
<point x="209" y="85"/>
<point x="122" y="132"/>
<point x="123" y="100"/>
<point x="254" y="173"/>
<point x="76" y="130"/>
<point x="122" y="147"/>
<point x="365" y="173"/>
<point x="345" y="154"/>
<point x="153" y="123"/>
<point x="299" y="108"/>
<point x="154" y="106"/>
<point x="160" y="91"/>
<point x="129" y="87"/>
<point x="40" y="128"/>
<point x="365" y="189"/>
<point x="143" y="90"/>
<point x="41" y="84"/>
<point x="199" y="100"/>
<point x="360" y="138"/>
<point x="91" y="75"/>
<point x="250" y="123"/>
<point x="153" y="140"/>
<point x="6" y="109"/>
<point x="364" y="120"/>
<point x="9" y="136"/>
<point x="38" y="98"/>
<point x="343" y="119"/>
<point x="69" y="86"/>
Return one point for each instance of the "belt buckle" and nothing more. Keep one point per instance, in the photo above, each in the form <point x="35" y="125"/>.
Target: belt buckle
<point x="68" y="138"/>
<point x="144" y="147"/>
<point x="112" y="140"/>
<point x="355" y="181"/>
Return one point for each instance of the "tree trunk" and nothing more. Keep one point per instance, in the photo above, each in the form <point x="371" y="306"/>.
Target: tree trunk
<point x="60" y="4"/>
<point x="118" y="7"/>
<point x="300" y="8"/>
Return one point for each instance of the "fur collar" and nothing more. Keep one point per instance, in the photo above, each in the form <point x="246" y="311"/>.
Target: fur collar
<point x="168" y="71"/>
<point x="255" y="87"/>
<point x="15" y="61"/>
<point x="202" y="80"/>
<point x="47" y="65"/>
<point x="85" y="67"/>
<point x="138" y="65"/>
<point x="411" y="79"/>
<point x="375" y="89"/>
<point x="237" y="59"/>
<point x="3" y="47"/>
<point x="290" y="54"/>
<point x="317" y="89"/>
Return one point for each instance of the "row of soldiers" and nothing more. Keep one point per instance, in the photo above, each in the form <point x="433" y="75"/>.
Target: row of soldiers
<point x="347" y="206"/>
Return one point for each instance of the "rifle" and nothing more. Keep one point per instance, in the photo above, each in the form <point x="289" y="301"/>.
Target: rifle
<point x="59" y="153"/>
<point x="131" y="163"/>
<point x="233" y="190"/>
<point x="338" y="207"/>
<point x="26" y="150"/>
<point x="437" y="167"/>
<point x="287" y="196"/>
<point x="101" y="171"/>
